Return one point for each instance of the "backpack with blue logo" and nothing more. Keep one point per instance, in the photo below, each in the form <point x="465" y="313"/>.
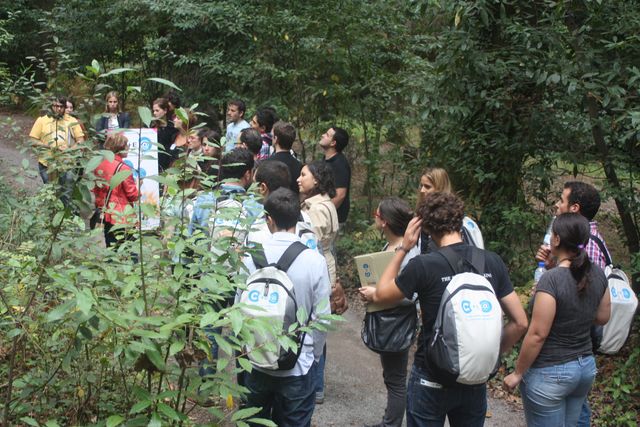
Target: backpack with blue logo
<point x="270" y="295"/>
<point x="465" y="345"/>
<point x="608" y="339"/>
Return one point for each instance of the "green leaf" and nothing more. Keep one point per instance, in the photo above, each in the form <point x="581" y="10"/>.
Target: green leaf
<point x="262" y="422"/>
<point x="119" y="177"/>
<point x="170" y="412"/>
<point x="145" y="115"/>
<point x="96" y="66"/>
<point x="25" y="164"/>
<point x="116" y="71"/>
<point x="244" y="413"/>
<point x="156" y="421"/>
<point x="60" y="311"/>
<point x="236" y="321"/>
<point x="140" y="406"/>
<point x="30" y="421"/>
<point x="165" y="82"/>
<point x="114" y="420"/>
<point x="245" y="364"/>
<point x="176" y="347"/>
<point x="156" y="358"/>
<point x="52" y="423"/>
<point x="84" y="301"/>
<point x="182" y="114"/>
<point x="93" y="163"/>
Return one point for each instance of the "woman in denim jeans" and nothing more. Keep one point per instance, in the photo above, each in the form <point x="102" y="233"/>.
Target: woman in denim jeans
<point x="556" y="367"/>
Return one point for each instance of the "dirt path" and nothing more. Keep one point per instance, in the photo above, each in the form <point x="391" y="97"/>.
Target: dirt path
<point x="354" y="390"/>
<point x="12" y="134"/>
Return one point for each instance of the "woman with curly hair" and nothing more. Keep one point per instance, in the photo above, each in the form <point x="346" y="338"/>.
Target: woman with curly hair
<point x="556" y="368"/>
<point x="316" y="190"/>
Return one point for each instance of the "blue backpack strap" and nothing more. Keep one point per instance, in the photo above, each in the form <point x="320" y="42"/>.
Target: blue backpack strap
<point x="457" y="263"/>
<point x="290" y="255"/>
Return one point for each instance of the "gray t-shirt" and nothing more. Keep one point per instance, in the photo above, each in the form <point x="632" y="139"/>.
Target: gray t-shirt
<point x="569" y="336"/>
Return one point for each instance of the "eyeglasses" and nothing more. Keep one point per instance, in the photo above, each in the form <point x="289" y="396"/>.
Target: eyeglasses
<point x="376" y="214"/>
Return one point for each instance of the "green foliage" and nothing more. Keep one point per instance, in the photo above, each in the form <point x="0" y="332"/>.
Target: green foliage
<point x="90" y="335"/>
<point x="616" y="396"/>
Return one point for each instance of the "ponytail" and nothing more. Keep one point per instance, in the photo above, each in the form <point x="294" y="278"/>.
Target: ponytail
<point x="580" y="268"/>
<point x="574" y="233"/>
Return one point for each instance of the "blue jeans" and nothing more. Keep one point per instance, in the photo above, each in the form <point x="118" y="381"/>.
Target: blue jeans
<point x="428" y="403"/>
<point x="319" y="371"/>
<point x="553" y="395"/>
<point x="287" y="401"/>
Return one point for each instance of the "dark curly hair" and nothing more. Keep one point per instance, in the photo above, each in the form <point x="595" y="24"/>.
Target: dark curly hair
<point x="441" y="213"/>
<point x="324" y="175"/>
<point x="584" y="195"/>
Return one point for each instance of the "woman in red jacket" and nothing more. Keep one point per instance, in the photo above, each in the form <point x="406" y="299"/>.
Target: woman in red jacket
<point x="122" y="195"/>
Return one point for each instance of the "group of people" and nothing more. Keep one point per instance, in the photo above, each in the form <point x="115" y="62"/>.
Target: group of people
<point x="555" y="368"/>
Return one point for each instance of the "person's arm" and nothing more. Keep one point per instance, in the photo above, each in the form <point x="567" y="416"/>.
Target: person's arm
<point x="341" y="194"/>
<point x="517" y="321"/>
<point x="604" y="309"/>
<point x="544" y="311"/>
<point x="387" y="291"/>
<point x="339" y="303"/>
<point x="126" y="120"/>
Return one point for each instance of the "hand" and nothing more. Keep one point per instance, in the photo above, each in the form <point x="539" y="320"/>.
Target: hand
<point x="412" y="234"/>
<point x="367" y="293"/>
<point x="339" y="303"/>
<point x="512" y="380"/>
<point x="544" y="255"/>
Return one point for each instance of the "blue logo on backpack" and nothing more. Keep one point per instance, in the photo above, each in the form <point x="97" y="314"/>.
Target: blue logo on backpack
<point x="485" y="306"/>
<point x="466" y="306"/>
<point x="626" y="294"/>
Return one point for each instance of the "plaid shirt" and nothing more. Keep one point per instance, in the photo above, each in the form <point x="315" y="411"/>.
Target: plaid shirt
<point x="265" y="150"/>
<point x="593" y="250"/>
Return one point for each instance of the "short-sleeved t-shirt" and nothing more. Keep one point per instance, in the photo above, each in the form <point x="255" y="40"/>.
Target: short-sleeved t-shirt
<point x="342" y="178"/>
<point x="428" y="276"/>
<point x="294" y="167"/>
<point x="569" y="336"/>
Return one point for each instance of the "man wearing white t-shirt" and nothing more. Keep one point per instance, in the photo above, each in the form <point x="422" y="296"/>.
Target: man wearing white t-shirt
<point x="235" y="123"/>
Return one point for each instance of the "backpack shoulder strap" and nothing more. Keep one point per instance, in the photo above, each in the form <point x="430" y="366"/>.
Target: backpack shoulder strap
<point x="290" y="255"/>
<point x="603" y="249"/>
<point x="259" y="259"/>
<point x="457" y="263"/>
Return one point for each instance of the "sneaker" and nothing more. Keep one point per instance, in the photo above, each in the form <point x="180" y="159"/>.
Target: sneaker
<point x="319" y="397"/>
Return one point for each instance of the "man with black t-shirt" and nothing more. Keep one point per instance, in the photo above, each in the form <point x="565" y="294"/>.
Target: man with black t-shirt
<point x="284" y="134"/>
<point x="332" y="142"/>
<point x="428" y="402"/>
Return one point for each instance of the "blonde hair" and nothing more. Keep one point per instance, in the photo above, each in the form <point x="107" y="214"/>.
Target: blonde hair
<point x="112" y="94"/>
<point x="116" y="142"/>
<point x="439" y="179"/>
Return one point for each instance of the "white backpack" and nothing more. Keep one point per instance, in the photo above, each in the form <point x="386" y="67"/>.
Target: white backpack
<point x="465" y="344"/>
<point x="270" y="295"/>
<point x="471" y="233"/>
<point x="624" y="302"/>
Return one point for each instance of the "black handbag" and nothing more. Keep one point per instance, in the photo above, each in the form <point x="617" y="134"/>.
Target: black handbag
<point x="390" y="331"/>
